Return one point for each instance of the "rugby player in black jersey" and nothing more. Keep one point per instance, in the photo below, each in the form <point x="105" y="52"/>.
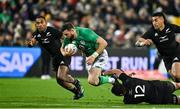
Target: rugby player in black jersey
<point x="137" y="90"/>
<point x="162" y="34"/>
<point x="50" y="39"/>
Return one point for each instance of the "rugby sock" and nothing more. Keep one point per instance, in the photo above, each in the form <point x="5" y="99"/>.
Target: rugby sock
<point x="111" y="80"/>
<point x="106" y="79"/>
<point x="74" y="90"/>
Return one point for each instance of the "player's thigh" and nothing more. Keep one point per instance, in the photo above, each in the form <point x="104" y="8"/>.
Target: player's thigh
<point x="176" y="66"/>
<point x="168" y="63"/>
<point x="63" y="67"/>
<point x="100" y="61"/>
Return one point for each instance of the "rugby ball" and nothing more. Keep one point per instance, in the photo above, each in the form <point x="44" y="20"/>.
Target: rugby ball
<point x="70" y="47"/>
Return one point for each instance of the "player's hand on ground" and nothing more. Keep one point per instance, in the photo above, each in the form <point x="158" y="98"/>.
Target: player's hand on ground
<point x="90" y="60"/>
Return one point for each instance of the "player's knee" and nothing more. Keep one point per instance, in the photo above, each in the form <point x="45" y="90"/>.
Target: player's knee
<point x="175" y="75"/>
<point x="59" y="81"/>
<point x="93" y="81"/>
<point x="61" y="76"/>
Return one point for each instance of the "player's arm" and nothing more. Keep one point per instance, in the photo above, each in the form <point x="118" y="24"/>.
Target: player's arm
<point x="96" y="39"/>
<point x="113" y="71"/>
<point x="145" y="39"/>
<point x="102" y="45"/>
<point x="143" y="42"/>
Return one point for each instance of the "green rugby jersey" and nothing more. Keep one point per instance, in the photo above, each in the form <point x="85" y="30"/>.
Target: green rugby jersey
<point x="85" y="40"/>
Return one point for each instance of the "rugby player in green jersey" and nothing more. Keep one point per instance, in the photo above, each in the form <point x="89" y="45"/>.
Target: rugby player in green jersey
<point x="93" y="47"/>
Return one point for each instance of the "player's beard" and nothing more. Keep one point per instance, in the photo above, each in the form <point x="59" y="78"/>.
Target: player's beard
<point x="73" y="37"/>
<point x="41" y="29"/>
<point x="156" y="27"/>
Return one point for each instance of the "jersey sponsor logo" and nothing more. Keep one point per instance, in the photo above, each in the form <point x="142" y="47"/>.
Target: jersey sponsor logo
<point x="156" y="34"/>
<point x="48" y="34"/>
<point x="175" y="59"/>
<point x="163" y="37"/>
<point x="62" y="62"/>
<point x="45" y="40"/>
<point x="73" y="42"/>
<point x="168" y="30"/>
<point x="82" y="42"/>
<point x="130" y="92"/>
<point x="38" y="35"/>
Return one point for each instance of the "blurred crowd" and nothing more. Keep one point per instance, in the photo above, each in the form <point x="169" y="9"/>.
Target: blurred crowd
<point x="120" y="22"/>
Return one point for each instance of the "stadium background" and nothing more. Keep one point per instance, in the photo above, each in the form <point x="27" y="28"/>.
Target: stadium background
<point x="119" y="22"/>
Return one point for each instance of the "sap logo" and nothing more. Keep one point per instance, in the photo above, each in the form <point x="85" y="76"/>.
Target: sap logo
<point x="10" y="62"/>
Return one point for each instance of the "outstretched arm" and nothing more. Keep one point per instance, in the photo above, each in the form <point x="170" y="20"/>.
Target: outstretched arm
<point x="113" y="71"/>
<point x="143" y="42"/>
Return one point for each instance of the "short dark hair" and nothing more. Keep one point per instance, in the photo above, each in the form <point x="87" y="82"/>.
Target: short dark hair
<point x="41" y="17"/>
<point x="160" y="14"/>
<point x="67" y="26"/>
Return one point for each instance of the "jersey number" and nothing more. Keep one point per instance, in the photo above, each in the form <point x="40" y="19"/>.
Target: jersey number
<point x="139" y="90"/>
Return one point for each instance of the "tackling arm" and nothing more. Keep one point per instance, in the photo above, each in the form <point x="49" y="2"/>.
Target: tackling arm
<point x="143" y="42"/>
<point x="113" y="71"/>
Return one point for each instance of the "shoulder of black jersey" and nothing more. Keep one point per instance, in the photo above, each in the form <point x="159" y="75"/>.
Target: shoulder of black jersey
<point x="123" y="76"/>
<point x="150" y="31"/>
<point x="35" y="33"/>
<point x="151" y="28"/>
<point x="173" y="25"/>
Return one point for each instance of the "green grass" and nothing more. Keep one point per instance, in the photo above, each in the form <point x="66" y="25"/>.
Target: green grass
<point x="37" y="93"/>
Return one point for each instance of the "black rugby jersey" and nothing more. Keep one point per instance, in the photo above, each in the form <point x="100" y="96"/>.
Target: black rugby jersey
<point x="154" y="91"/>
<point x="49" y="39"/>
<point x="137" y="90"/>
<point x="165" y="39"/>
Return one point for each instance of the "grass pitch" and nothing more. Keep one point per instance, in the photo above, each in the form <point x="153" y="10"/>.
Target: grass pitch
<point x="37" y="93"/>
